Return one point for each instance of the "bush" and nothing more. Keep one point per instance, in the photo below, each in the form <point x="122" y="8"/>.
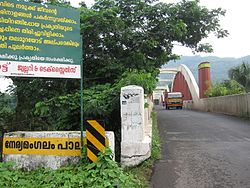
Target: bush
<point x="104" y="173"/>
<point x="100" y="102"/>
<point x="241" y="74"/>
<point x="228" y="87"/>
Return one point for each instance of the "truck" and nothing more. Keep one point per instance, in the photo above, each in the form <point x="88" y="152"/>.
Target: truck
<point x="173" y="100"/>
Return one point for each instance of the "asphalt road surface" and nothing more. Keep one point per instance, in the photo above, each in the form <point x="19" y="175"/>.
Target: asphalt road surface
<point x="202" y="150"/>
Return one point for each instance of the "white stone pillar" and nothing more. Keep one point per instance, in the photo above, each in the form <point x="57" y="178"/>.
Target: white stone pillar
<point x="132" y="113"/>
<point x="135" y="147"/>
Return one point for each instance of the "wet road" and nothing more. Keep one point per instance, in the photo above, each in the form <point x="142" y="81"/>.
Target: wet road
<point x="202" y="150"/>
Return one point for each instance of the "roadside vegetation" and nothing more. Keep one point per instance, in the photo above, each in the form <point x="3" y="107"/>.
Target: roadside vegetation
<point x="104" y="173"/>
<point x="241" y="74"/>
<point x="227" y="87"/>
<point x="239" y="82"/>
<point x="7" y="108"/>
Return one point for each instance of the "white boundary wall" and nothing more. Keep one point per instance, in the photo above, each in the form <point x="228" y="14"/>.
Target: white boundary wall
<point x="31" y="162"/>
<point x="238" y="105"/>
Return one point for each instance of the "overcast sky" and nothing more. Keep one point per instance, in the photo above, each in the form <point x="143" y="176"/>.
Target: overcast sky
<point x="236" y="22"/>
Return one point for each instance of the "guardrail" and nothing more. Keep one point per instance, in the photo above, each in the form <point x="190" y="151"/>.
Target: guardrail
<point x="238" y="105"/>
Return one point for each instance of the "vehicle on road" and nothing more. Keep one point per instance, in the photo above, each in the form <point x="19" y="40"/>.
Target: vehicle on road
<point x="173" y="100"/>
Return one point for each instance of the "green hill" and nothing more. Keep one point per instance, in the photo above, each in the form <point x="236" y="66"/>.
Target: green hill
<point x="219" y="66"/>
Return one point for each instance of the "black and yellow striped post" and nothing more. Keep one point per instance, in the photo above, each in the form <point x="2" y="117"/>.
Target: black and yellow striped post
<point x="96" y="139"/>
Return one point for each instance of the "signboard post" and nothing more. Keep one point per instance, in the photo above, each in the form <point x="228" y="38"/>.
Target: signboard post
<point x="81" y="101"/>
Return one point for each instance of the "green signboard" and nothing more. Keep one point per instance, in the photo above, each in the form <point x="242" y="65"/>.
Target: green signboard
<point x="39" y="40"/>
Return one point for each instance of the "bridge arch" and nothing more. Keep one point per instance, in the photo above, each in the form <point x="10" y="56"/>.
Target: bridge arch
<point x="185" y="82"/>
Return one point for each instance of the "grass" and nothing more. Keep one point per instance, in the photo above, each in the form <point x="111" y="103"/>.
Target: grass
<point x="105" y="173"/>
<point x="144" y="170"/>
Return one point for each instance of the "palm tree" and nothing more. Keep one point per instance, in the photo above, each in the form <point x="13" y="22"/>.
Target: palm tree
<point x="241" y="74"/>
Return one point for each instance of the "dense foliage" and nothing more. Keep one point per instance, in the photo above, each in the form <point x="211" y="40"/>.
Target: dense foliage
<point x="7" y="109"/>
<point x="239" y="82"/>
<point x="227" y="87"/>
<point x="100" y="102"/>
<point x="104" y="173"/>
<point x="241" y="74"/>
<point x="121" y="35"/>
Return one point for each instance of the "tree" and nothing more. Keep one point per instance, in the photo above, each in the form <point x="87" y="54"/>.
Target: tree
<point x="241" y="74"/>
<point x="100" y="102"/>
<point x="137" y="34"/>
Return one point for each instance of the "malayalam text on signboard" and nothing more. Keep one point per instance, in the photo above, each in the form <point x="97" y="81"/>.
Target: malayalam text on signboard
<point x="42" y="146"/>
<point x="39" y="40"/>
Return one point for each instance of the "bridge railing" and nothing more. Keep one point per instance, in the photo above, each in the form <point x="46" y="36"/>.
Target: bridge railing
<point x="238" y="105"/>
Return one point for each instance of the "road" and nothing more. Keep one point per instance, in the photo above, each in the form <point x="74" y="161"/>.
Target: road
<point x="202" y="150"/>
